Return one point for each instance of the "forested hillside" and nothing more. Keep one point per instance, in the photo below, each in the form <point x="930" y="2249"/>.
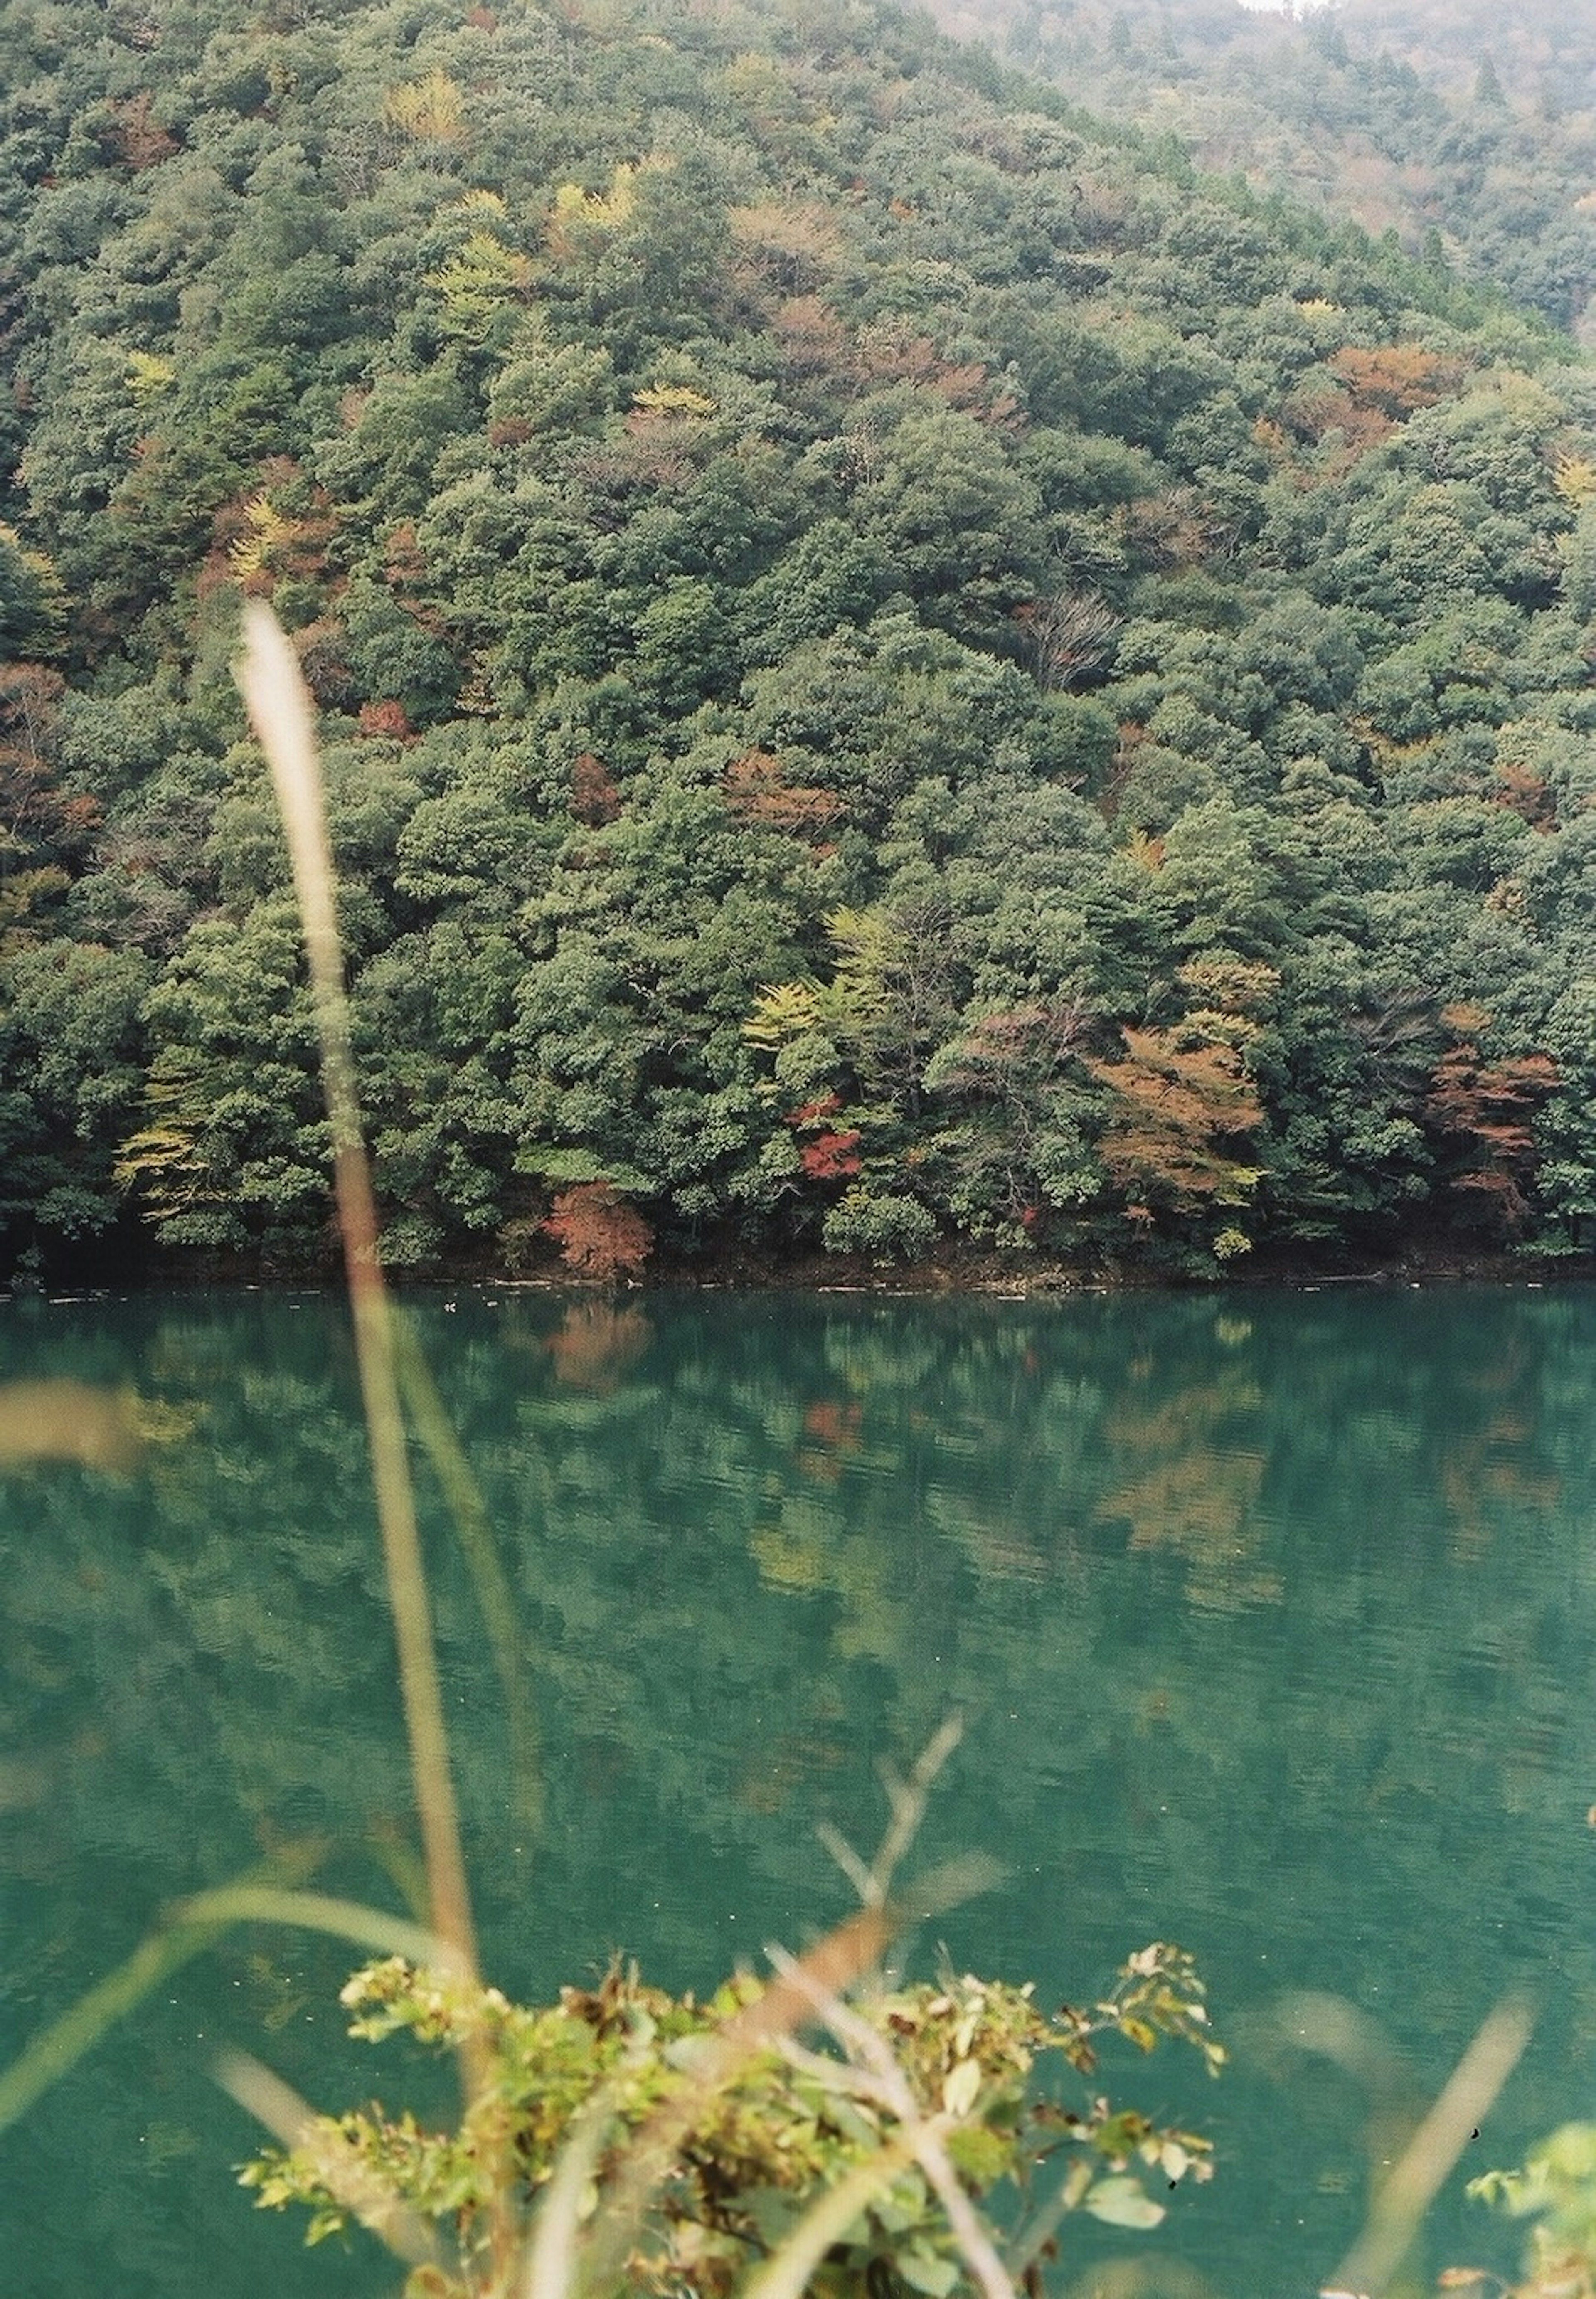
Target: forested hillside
<point x="895" y="664"/>
<point x="1466" y="127"/>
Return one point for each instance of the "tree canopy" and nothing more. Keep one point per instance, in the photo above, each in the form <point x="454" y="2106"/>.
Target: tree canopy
<point x="895" y="662"/>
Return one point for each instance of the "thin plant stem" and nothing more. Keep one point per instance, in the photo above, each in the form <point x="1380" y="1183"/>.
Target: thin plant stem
<point x="907" y="1800"/>
<point x="836" y="1961"/>
<point x="922" y="2134"/>
<point x="1038" y="2231"/>
<point x="474" y="1528"/>
<point x="280" y="706"/>
<point x="786" y="2273"/>
<point x="553" y="2255"/>
<point x="1416" y="2178"/>
<point x="319" y="1911"/>
<point x="192" y="1927"/>
<point x="355" y="2186"/>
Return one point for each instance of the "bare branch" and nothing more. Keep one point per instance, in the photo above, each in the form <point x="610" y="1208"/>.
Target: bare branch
<point x="923" y="2133"/>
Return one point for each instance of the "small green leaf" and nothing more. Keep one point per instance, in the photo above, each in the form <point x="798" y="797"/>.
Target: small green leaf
<point x="980" y="2155"/>
<point x="774" y="2212"/>
<point x="903" y="2206"/>
<point x="927" y="2270"/>
<point x="1123" y="2201"/>
<point x="853" y="2121"/>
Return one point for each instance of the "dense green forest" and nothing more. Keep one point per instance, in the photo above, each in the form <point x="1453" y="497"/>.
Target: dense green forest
<point x="897" y="664"/>
<point x="1466" y="127"/>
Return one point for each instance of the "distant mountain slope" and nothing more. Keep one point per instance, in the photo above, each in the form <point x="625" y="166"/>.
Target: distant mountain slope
<point x="895" y="664"/>
<point x="1474" y="123"/>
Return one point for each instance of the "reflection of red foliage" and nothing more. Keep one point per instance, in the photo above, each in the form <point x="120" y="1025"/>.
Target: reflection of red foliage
<point x="600" y="1235"/>
<point x="777" y="1770"/>
<point x="596" y="1343"/>
<point x="834" y="1421"/>
<point x="830" y="1154"/>
<point x="835" y="1428"/>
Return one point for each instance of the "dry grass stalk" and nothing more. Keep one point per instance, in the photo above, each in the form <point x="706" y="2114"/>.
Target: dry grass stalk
<point x="280" y="709"/>
<point x="1415" y="2178"/>
<point x="906" y="1800"/>
<point x="193" y="1926"/>
<point x="69" y="1421"/>
<point x="922" y="2136"/>
<point x="785" y="2275"/>
<point x="833" y="1965"/>
<point x="317" y="1912"/>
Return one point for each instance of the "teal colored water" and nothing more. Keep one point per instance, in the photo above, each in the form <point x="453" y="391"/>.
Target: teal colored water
<point x="1270" y="1617"/>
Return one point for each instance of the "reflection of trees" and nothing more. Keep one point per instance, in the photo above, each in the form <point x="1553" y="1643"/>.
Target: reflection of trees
<point x="749" y="1545"/>
<point x="597" y="1344"/>
<point x="1188" y="1489"/>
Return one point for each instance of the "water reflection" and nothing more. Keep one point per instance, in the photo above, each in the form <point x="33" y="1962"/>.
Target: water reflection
<point x="596" y="1345"/>
<point x="1271" y="1618"/>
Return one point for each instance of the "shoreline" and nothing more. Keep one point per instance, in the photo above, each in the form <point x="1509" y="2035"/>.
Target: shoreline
<point x="991" y="1276"/>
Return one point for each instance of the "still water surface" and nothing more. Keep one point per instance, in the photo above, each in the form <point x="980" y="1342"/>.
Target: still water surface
<point x="1271" y="1618"/>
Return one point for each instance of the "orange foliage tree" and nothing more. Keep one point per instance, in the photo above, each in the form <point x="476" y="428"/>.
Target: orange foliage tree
<point x="1395" y="379"/>
<point x="1484" y="1112"/>
<point x="601" y="1234"/>
<point x="1181" y="1107"/>
<point x="37" y="821"/>
<point x="1374" y="391"/>
<point x="756" y="790"/>
<point x="831" y="1153"/>
<point x="594" y="797"/>
<point x="137" y="136"/>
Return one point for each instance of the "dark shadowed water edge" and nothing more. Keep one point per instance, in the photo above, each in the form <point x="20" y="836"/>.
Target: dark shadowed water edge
<point x="1270" y="1613"/>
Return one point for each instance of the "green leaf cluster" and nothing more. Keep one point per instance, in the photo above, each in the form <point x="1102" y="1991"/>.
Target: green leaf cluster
<point x="1556" y="2188"/>
<point x="767" y="2139"/>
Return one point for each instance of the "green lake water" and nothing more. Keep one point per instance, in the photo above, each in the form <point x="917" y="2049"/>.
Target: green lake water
<point x="1271" y="1617"/>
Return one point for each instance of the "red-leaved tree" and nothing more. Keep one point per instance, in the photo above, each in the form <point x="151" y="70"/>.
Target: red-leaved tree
<point x="1485" y="1112"/>
<point x="601" y="1234"/>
